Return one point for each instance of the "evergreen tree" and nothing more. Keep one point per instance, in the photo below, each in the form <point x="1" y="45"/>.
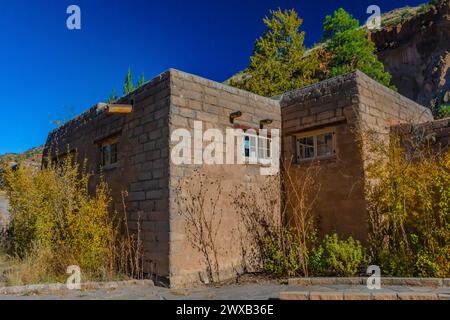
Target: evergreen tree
<point x="351" y="49"/>
<point x="128" y="85"/>
<point x="141" y="81"/>
<point x="113" y="96"/>
<point x="278" y="63"/>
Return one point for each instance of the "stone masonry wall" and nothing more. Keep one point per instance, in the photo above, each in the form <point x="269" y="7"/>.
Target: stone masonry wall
<point x="351" y="103"/>
<point x="340" y="204"/>
<point x="380" y="107"/>
<point x="142" y="168"/>
<point x="432" y="134"/>
<point x="197" y="99"/>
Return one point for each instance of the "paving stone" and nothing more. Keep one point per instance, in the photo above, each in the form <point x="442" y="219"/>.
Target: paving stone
<point x="262" y="291"/>
<point x="431" y="282"/>
<point x="326" y="295"/>
<point x="350" y="280"/>
<point x="357" y="296"/>
<point x="322" y="281"/>
<point x="384" y="296"/>
<point x="444" y="296"/>
<point x="408" y="282"/>
<point x="299" y="281"/>
<point x="417" y="296"/>
<point x="302" y="295"/>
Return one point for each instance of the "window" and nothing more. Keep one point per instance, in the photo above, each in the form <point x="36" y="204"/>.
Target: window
<point x="109" y="152"/>
<point x="257" y="147"/>
<point x="250" y="146"/>
<point x="325" y="145"/>
<point x="306" y="148"/>
<point x="264" y="148"/>
<point x="315" y="144"/>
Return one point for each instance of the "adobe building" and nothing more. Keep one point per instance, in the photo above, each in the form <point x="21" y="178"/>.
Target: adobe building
<point x="132" y="151"/>
<point x="322" y="123"/>
<point x="318" y="123"/>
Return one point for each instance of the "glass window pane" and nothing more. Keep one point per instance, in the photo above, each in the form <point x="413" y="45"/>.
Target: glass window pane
<point x="263" y="148"/>
<point x="261" y="151"/>
<point x="114" y="153"/>
<point x="106" y="152"/>
<point x="325" y="144"/>
<point x="269" y="149"/>
<point x="253" y="147"/>
<point x="246" y="146"/>
<point x="306" y="148"/>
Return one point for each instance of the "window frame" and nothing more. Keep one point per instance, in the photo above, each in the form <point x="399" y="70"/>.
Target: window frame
<point x="256" y="148"/>
<point x="315" y="134"/>
<point x="112" y="143"/>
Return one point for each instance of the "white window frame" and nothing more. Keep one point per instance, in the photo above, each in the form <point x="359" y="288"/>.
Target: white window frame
<point x="255" y="147"/>
<point x="314" y="134"/>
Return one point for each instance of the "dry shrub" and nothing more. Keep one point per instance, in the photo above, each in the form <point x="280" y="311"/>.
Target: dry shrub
<point x="127" y="251"/>
<point x="409" y="205"/>
<point x="197" y="197"/>
<point x="284" y="240"/>
<point x="56" y="222"/>
<point x="301" y="186"/>
<point x="257" y="206"/>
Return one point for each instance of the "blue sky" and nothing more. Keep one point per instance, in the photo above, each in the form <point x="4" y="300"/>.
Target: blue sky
<point x="49" y="72"/>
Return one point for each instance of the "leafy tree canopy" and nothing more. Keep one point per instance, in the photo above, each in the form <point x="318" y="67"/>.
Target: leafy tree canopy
<point x="341" y="21"/>
<point x="278" y="64"/>
<point x="350" y="48"/>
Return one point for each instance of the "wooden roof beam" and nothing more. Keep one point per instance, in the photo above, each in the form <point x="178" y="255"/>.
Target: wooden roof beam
<point x="115" y="108"/>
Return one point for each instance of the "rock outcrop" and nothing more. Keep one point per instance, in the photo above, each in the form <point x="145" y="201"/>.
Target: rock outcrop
<point x="416" y="52"/>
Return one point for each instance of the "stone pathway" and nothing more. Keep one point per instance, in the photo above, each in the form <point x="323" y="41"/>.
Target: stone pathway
<point x="256" y="291"/>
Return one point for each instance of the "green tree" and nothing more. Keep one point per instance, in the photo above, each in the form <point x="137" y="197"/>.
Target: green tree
<point x="113" y="96"/>
<point x="351" y="49"/>
<point x="278" y="64"/>
<point x="128" y="85"/>
<point x="141" y="81"/>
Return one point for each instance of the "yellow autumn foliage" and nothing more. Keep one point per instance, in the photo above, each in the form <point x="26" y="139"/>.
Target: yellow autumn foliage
<point x="409" y="206"/>
<point x="56" y="222"/>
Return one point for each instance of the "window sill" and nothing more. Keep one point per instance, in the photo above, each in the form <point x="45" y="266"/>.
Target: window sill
<point x="318" y="159"/>
<point x="109" y="167"/>
<point x="256" y="161"/>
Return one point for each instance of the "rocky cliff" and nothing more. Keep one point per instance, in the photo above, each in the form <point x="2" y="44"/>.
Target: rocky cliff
<point x="414" y="45"/>
<point x="415" y="49"/>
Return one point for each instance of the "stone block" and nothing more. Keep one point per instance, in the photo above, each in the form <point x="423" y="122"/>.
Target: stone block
<point x="417" y="296"/>
<point x="300" y="295"/>
<point x="357" y="296"/>
<point x="384" y="296"/>
<point x="332" y="295"/>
